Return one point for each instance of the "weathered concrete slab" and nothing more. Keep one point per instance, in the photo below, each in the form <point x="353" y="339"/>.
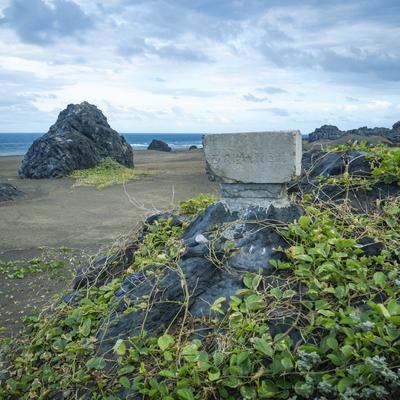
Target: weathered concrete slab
<point x="254" y="157"/>
<point x="253" y="168"/>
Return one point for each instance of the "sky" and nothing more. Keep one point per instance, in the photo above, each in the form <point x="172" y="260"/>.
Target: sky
<point x="201" y="65"/>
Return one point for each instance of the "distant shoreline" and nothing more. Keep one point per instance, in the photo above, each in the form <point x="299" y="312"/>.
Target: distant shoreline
<point x="19" y="143"/>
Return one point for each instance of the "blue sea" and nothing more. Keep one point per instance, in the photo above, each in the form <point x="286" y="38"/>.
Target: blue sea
<point x="12" y="144"/>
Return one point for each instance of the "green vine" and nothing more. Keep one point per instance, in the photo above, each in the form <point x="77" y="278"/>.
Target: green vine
<point x="335" y="307"/>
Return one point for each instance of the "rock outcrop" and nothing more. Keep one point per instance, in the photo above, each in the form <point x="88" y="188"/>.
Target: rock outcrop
<point x="8" y="192"/>
<point x="243" y="240"/>
<point x="319" y="165"/>
<point x="80" y="138"/>
<point x="158" y="145"/>
<point x="193" y="147"/>
<point x="331" y="132"/>
<point x="243" y="236"/>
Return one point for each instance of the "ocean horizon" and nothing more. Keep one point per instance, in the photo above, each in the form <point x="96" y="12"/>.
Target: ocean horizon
<point x="17" y="144"/>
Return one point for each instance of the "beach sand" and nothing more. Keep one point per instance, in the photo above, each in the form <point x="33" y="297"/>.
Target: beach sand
<point x="54" y="213"/>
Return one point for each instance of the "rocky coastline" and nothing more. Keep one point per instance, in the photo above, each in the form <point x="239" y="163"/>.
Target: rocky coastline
<point x="332" y="132"/>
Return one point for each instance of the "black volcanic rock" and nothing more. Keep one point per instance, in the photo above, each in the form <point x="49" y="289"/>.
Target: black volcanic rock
<point x="103" y="269"/>
<point x="331" y="132"/>
<point x="254" y="248"/>
<point x="193" y="147"/>
<point x="9" y="192"/>
<point x="80" y="138"/>
<point x="318" y="164"/>
<point x="396" y="127"/>
<point x="365" y="131"/>
<point x="158" y="145"/>
<point x="395" y="134"/>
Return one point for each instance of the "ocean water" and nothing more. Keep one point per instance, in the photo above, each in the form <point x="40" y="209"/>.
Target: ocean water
<point x="18" y="143"/>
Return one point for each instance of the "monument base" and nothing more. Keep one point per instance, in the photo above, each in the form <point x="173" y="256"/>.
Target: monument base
<point x="244" y="195"/>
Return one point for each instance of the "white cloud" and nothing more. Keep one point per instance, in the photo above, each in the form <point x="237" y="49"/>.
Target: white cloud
<point x="180" y="66"/>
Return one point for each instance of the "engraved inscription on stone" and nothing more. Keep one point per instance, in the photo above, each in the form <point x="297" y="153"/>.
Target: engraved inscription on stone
<point x="258" y="157"/>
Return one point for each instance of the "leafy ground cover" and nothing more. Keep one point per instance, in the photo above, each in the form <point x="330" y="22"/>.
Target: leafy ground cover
<point x="50" y="261"/>
<point x="28" y="285"/>
<point x="335" y="292"/>
<point x="107" y="172"/>
<point x="384" y="161"/>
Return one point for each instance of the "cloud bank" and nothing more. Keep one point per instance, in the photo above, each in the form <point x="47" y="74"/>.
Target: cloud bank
<point x="201" y="66"/>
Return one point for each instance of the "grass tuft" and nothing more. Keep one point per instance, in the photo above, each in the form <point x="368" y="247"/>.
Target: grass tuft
<point x="198" y="204"/>
<point x="108" y="172"/>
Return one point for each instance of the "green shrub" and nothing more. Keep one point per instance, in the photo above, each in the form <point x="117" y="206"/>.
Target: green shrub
<point x="197" y="204"/>
<point x="386" y="165"/>
<point x="384" y="162"/>
<point x="19" y="270"/>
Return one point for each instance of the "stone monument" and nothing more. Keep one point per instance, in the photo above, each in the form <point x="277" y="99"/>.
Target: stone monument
<point x="253" y="168"/>
<point x="233" y="236"/>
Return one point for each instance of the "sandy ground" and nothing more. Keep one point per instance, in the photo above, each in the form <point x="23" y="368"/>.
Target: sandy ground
<point x="54" y="213"/>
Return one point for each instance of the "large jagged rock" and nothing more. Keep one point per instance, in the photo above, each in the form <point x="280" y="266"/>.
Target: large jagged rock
<point x="331" y="132"/>
<point x="240" y="239"/>
<point x="8" y="192"/>
<point x="79" y="139"/>
<point x="159" y="145"/>
<point x="245" y="240"/>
